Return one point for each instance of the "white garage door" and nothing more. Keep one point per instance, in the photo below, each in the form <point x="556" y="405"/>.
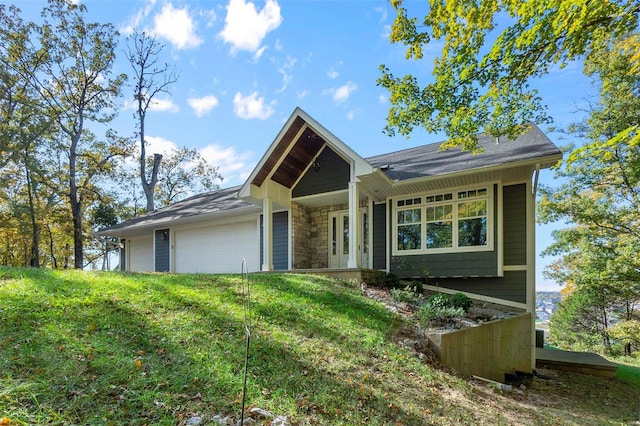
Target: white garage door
<point x="140" y="254"/>
<point x="217" y="249"/>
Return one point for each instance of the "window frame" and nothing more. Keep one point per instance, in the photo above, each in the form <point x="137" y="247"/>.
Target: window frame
<point x="455" y="220"/>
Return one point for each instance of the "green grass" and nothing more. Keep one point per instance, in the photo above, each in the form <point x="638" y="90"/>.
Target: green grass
<point x="97" y="348"/>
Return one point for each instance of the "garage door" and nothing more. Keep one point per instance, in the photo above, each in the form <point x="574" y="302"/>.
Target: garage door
<point x="217" y="249"/>
<point x="140" y="254"/>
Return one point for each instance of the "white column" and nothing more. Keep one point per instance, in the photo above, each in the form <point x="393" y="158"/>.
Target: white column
<point x="267" y="234"/>
<point x="354" y="225"/>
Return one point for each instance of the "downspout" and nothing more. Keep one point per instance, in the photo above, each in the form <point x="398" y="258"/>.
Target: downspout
<point x="534" y="189"/>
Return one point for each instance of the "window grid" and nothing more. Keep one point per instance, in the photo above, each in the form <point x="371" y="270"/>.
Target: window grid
<point x="450" y="221"/>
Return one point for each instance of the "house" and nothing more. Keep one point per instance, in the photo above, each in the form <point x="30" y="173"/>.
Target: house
<point x="464" y="221"/>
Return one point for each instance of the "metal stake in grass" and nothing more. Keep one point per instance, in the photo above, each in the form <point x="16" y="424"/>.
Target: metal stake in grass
<point x="246" y="293"/>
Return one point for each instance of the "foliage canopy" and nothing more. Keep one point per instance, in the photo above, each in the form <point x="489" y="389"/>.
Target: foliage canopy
<point x="490" y="51"/>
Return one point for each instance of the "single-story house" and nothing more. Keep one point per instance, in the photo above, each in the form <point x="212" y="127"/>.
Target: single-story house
<point x="464" y="221"/>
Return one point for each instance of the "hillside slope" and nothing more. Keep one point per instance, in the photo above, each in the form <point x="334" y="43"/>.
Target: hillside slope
<point x="159" y="349"/>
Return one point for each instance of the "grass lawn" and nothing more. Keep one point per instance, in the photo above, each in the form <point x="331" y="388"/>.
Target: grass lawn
<point x="94" y="348"/>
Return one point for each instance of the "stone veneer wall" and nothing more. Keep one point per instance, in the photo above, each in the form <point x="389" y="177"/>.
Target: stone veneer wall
<point x="311" y="235"/>
<point x="301" y="236"/>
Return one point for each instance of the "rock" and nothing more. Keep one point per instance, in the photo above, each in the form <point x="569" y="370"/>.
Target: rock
<point x="194" y="421"/>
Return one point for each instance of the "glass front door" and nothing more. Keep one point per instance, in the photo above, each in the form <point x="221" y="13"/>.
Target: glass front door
<point x="339" y="239"/>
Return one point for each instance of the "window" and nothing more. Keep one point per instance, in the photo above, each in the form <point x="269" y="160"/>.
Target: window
<point x="457" y="220"/>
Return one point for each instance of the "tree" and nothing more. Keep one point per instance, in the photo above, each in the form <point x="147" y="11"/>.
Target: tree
<point x="482" y="76"/>
<point x="24" y="125"/>
<point x="599" y="250"/>
<point x="185" y="172"/>
<point x="151" y="79"/>
<point x="71" y="67"/>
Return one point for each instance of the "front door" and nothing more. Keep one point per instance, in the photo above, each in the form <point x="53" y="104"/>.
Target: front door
<point x="339" y="239"/>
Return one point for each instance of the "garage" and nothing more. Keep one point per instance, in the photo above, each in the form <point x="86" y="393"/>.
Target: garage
<point x="217" y="248"/>
<point x="140" y="254"/>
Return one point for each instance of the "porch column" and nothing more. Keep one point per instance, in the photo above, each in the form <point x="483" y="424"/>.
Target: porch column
<point x="354" y="224"/>
<point x="267" y="234"/>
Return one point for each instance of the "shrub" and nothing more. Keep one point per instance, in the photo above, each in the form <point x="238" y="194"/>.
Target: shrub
<point x="391" y="280"/>
<point x="439" y="300"/>
<point x="408" y="295"/>
<point x="428" y="313"/>
<point x="460" y="300"/>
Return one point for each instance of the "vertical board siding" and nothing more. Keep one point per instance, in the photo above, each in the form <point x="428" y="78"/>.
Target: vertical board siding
<point x="280" y="246"/>
<point x="489" y="350"/>
<point x="332" y="175"/>
<point x="163" y="244"/>
<point x="379" y="223"/>
<point x="515" y="224"/>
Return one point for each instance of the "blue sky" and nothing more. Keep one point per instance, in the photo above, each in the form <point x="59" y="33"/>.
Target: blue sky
<point x="244" y="66"/>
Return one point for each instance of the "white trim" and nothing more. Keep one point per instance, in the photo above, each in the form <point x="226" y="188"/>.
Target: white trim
<point x="491" y="216"/>
<point x="387" y="233"/>
<point x="512" y="268"/>
<point x="289" y="239"/>
<point x="500" y="231"/>
<point x="477" y="297"/>
<point x="531" y="266"/>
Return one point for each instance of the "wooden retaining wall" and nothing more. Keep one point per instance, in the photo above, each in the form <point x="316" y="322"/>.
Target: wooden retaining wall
<point x="489" y="350"/>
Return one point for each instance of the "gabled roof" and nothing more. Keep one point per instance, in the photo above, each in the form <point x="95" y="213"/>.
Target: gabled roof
<point x="217" y="203"/>
<point x="293" y="150"/>
<point x="411" y="170"/>
<point x="429" y="161"/>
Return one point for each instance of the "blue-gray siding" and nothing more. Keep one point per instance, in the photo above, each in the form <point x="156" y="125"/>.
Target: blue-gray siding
<point x="466" y="264"/>
<point x="379" y="236"/>
<point x="331" y="175"/>
<point x="162" y="244"/>
<point x="476" y="272"/>
<point x="511" y="287"/>
<point x="515" y="224"/>
<point x="280" y="245"/>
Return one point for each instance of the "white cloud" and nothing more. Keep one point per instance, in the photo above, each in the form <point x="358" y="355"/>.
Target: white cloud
<point x="342" y="93"/>
<point x="286" y="76"/>
<point x="383" y="99"/>
<point x="176" y="25"/>
<point x="333" y="74"/>
<point x="159" y="145"/>
<point x="235" y="167"/>
<point x="136" y="20"/>
<point x="301" y="94"/>
<point x="203" y="105"/>
<point x="163" y="104"/>
<point x="247" y="107"/>
<point x="245" y="28"/>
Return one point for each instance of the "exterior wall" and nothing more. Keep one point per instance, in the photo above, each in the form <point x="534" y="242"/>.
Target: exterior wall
<point x="311" y="235"/>
<point x="319" y="241"/>
<point x="515" y="224"/>
<point x="331" y="175"/>
<point x="379" y="245"/>
<point x="460" y="264"/>
<point x="477" y="272"/>
<point x="162" y="251"/>
<point x="280" y="246"/>
<point x="140" y="254"/>
<point x="511" y="287"/>
<point x="300" y="236"/>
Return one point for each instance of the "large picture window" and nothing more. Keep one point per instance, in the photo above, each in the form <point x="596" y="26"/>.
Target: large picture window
<point x="455" y="220"/>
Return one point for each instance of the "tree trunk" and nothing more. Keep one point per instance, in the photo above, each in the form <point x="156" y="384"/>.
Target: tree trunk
<point x="35" y="228"/>
<point x="76" y="204"/>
